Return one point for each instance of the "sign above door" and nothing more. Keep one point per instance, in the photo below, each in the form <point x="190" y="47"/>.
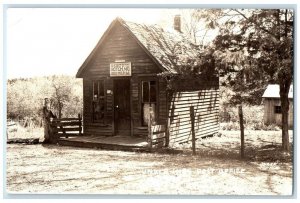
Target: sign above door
<point x="120" y="69"/>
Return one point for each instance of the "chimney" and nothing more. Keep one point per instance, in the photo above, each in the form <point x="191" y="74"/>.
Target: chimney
<point x="177" y="23"/>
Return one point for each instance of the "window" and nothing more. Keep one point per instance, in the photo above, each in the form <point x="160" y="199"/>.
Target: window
<point x="149" y="90"/>
<point x="98" y="101"/>
<point x="277" y="109"/>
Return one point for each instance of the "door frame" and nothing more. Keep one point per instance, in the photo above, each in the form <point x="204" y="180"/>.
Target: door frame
<point x="145" y="79"/>
<point x="115" y="79"/>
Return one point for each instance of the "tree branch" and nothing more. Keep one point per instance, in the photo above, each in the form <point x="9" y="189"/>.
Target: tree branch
<point x="256" y="25"/>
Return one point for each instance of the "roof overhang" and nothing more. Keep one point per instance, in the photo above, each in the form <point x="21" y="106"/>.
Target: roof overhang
<point x="102" y="39"/>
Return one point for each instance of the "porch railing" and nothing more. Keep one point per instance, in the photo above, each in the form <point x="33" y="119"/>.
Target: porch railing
<point x="156" y="133"/>
<point x="66" y="127"/>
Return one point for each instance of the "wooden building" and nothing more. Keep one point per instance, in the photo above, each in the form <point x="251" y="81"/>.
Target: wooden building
<point x="121" y="81"/>
<point x="272" y="106"/>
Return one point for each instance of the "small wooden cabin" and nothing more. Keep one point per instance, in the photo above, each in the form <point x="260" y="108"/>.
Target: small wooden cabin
<point x="121" y="81"/>
<point x="272" y="106"/>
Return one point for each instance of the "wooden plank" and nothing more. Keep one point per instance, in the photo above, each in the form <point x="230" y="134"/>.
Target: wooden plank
<point x="198" y="118"/>
<point x="141" y="128"/>
<point x="98" y="125"/>
<point x="65" y="119"/>
<point x="199" y="110"/>
<point x="187" y="131"/>
<point x="194" y="99"/>
<point x="158" y="141"/>
<point x="187" y="122"/>
<point x="195" y="96"/>
<point x="158" y="132"/>
<point x="183" y="116"/>
<point x="72" y="123"/>
<point x="197" y="133"/>
<point x="198" y="104"/>
<point x="68" y="129"/>
<point x="158" y="128"/>
<point x="68" y="135"/>
<point x="95" y="130"/>
<point x="205" y="106"/>
<point x="188" y="139"/>
<point x="195" y="93"/>
<point x="158" y="136"/>
<point x="186" y="127"/>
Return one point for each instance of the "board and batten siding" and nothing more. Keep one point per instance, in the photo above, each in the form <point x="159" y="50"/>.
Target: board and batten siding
<point x="91" y="128"/>
<point x="270" y="117"/>
<point x="120" y="45"/>
<point x="136" y="97"/>
<point x="206" y="107"/>
<point x="136" y="111"/>
<point x="163" y="103"/>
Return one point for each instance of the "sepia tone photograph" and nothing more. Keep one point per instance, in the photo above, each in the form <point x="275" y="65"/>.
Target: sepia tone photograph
<point x="149" y="101"/>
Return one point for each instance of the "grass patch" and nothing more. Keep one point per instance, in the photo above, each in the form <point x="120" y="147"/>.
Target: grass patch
<point x="18" y="131"/>
<point x="259" y="146"/>
<point x="253" y="119"/>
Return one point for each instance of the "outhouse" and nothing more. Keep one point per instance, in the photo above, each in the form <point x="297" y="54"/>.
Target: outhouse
<point x="272" y="106"/>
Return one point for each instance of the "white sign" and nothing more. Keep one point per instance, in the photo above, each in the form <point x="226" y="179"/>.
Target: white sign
<point x="120" y="69"/>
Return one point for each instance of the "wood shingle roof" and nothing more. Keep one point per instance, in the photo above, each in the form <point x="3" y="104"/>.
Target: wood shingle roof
<point x="168" y="48"/>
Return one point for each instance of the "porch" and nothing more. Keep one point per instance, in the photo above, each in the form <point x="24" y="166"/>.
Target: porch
<point x="68" y="132"/>
<point x="119" y="142"/>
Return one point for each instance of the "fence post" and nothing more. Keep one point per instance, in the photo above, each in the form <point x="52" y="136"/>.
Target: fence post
<point x="192" y="115"/>
<point x="167" y="133"/>
<point x="80" y="125"/>
<point x="242" y="131"/>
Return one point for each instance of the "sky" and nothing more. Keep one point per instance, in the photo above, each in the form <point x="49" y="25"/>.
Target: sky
<point x="47" y="41"/>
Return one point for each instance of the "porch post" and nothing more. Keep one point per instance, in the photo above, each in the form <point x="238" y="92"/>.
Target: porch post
<point x="150" y="134"/>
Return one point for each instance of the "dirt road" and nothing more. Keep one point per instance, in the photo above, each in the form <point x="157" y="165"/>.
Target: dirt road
<point x="57" y="169"/>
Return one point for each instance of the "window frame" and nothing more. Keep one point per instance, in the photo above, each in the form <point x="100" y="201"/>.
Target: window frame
<point x="149" y="79"/>
<point x="97" y="100"/>
<point x="277" y="109"/>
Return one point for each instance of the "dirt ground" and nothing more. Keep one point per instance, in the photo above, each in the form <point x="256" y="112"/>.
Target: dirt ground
<point x="215" y="170"/>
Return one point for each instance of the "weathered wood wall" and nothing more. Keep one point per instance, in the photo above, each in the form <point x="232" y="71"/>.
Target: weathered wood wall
<point x="206" y="106"/>
<point x="163" y="102"/>
<point x="90" y="128"/>
<point x="136" y="96"/>
<point x="270" y="117"/>
<point x="119" y="45"/>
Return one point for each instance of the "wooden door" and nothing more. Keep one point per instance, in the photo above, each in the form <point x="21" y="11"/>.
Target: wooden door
<point x="122" y="118"/>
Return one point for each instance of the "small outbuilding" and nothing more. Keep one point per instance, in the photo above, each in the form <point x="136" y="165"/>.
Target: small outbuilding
<point x="121" y="81"/>
<point x="272" y="106"/>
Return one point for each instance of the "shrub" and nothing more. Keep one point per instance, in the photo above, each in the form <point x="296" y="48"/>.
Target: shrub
<point x="25" y="97"/>
<point x="230" y="126"/>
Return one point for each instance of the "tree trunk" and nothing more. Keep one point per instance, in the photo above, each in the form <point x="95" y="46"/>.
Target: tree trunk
<point x="284" y="90"/>
<point x="59" y="109"/>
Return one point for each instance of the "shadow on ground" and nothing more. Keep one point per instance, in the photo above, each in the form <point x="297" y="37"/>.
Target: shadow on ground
<point x="264" y="153"/>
